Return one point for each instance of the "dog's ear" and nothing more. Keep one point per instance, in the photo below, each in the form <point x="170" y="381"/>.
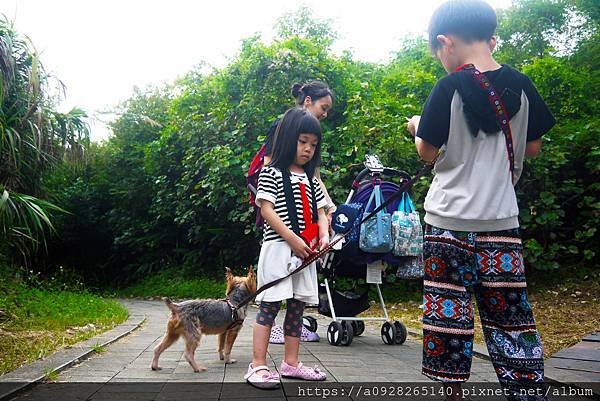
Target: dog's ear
<point x="251" y="280"/>
<point x="228" y="275"/>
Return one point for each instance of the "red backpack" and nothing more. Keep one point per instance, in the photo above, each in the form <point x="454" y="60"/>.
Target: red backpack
<point x="253" y="172"/>
<point x="257" y="164"/>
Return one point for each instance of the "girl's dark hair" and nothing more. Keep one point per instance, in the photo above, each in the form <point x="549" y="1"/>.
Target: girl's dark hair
<point x="315" y="89"/>
<point x="295" y="121"/>
<point x="470" y="20"/>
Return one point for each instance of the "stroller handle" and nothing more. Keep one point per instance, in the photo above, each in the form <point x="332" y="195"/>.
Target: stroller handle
<point x="390" y="172"/>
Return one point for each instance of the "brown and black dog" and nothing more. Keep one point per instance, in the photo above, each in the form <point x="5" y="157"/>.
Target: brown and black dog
<point x="192" y="319"/>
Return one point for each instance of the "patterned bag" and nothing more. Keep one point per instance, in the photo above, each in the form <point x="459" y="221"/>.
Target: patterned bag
<point x="376" y="232"/>
<point x="402" y="229"/>
<point x="407" y="232"/>
<point x="412" y="267"/>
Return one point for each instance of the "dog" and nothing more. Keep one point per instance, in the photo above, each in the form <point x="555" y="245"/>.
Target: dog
<point x="191" y="319"/>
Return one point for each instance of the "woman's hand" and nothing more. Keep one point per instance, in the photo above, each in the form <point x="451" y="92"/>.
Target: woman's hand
<point x="299" y="247"/>
<point x="329" y="217"/>
<point x="323" y="241"/>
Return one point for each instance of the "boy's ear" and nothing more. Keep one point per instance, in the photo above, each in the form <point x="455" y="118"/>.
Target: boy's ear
<point x="444" y="40"/>
<point x="493" y="42"/>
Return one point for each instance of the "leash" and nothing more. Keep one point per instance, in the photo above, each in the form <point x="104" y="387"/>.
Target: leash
<point x="313" y="257"/>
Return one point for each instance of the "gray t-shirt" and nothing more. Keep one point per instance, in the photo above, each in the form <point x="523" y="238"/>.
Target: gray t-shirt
<point x="472" y="189"/>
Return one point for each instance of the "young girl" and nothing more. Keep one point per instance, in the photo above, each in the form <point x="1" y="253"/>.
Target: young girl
<point x="296" y="153"/>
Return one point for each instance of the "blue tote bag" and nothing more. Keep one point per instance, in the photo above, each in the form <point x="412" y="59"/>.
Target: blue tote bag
<point x="376" y="232"/>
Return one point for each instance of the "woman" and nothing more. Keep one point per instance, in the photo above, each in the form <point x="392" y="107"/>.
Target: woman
<point x="316" y="98"/>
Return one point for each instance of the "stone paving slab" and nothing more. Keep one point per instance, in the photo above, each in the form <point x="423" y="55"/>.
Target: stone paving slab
<point x="123" y="370"/>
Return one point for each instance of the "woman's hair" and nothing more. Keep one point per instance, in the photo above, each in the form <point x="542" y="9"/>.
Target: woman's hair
<point x="471" y="20"/>
<point x="295" y="121"/>
<point x="315" y="89"/>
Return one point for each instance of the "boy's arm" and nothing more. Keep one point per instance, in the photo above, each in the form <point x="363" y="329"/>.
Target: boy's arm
<point x="533" y="148"/>
<point x="431" y="129"/>
<point x="426" y="151"/>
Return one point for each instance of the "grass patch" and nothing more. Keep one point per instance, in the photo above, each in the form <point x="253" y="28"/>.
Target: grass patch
<point x="170" y="283"/>
<point x="34" y="322"/>
<point x="50" y="375"/>
<point x="99" y="349"/>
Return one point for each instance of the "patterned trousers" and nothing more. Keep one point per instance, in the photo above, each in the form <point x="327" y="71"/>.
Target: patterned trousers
<point x="489" y="265"/>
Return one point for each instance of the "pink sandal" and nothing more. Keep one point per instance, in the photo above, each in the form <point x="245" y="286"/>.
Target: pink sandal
<point x="268" y="381"/>
<point x="301" y="372"/>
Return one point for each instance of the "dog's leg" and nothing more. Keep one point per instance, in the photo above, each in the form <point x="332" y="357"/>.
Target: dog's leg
<point x="190" y="348"/>
<point x="230" y="335"/>
<point x="221" y="345"/>
<point x="170" y="337"/>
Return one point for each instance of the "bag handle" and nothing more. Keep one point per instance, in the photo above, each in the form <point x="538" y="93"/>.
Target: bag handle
<point x="410" y="207"/>
<point x="371" y="198"/>
<point x="401" y="203"/>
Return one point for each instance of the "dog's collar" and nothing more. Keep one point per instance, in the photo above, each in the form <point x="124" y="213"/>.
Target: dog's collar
<point x="234" y="315"/>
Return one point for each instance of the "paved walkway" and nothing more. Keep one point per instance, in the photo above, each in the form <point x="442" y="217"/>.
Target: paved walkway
<point x="123" y="371"/>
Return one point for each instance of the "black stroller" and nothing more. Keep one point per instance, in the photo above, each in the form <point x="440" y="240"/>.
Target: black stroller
<point x="343" y="306"/>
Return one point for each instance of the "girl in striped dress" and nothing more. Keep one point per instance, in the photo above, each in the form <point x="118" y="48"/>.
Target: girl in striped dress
<point x="295" y="225"/>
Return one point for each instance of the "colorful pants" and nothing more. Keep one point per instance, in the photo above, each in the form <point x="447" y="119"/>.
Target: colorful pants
<point x="489" y="265"/>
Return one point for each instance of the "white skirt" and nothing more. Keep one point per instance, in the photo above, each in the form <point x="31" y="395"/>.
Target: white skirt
<point x="273" y="264"/>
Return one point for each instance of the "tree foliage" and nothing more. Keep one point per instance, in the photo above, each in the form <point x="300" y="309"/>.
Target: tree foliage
<point x="168" y="188"/>
<point x="34" y="137"/>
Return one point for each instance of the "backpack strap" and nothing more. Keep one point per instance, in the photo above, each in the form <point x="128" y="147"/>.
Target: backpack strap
<point x="290" y="202"/>
<point x="315" y="217"/>
<point x="499" y="109"/>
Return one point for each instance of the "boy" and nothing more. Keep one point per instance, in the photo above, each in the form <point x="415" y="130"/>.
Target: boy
<point x="472" y="240"/>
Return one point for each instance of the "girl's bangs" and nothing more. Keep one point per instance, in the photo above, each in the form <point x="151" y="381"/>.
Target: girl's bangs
<point x="310" y="125"/>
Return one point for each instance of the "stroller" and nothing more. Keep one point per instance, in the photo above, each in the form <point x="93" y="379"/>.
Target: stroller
<point x="343" y="306"/>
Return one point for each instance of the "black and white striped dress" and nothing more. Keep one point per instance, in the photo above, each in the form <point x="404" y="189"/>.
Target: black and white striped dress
<point x="275" y="253"/>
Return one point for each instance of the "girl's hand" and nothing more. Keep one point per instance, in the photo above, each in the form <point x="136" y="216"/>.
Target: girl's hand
<point x="299" y="247"/>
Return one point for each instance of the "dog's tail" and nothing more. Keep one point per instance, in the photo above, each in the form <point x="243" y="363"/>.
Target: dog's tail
<point x="171" y="305"/>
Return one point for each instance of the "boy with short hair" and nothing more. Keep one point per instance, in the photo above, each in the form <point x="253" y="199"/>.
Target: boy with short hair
<point x="472" y="239"/>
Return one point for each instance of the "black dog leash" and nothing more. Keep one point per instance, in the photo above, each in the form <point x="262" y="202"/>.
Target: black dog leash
<point x="313" y="257"/>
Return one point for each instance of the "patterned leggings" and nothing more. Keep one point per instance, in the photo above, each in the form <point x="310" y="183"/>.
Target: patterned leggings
<point x="490" y="265"/>
<point x="292" y="325"/>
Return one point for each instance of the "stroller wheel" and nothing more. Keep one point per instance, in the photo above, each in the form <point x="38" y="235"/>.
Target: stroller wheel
<point x="334" y="333"/>
<point x="310" y="323"/>
<point x="401" y="333"/>
<point x="388" y="333"/>
<point x="358" y="326"/>
<point x="347" y="334"/>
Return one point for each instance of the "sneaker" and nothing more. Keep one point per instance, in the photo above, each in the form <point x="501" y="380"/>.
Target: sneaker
<point x="301" y="372"/>
<point x="268" y="381"/>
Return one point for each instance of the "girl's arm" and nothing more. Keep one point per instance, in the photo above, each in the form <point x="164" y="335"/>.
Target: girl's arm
<point x="267" y="211"/>
<point x="323" y="223"/>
